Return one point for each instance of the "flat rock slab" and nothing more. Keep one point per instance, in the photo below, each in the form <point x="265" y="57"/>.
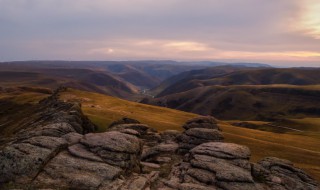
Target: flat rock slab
<point x="222" y="150"/>
<point x="150" y="165"/>
<point x="224" y="170"/>
<point x="241" y="186"/>
<point x="141" y="128"/>
<point x="66" y="170"/>
<point x="81" y="151"/>
<point x="208" y="122"/>
<point x="57" y="129"/>
<point x="202" y="133"/>
<point x="191" y="186"/>
<point x="72" y="138"/>
<point x="113" y="141"/>
<point x="51" y="143"/>
<point x="21" y="162"/>
<point x="202" y="175"/>
<point x="283" y="172"/>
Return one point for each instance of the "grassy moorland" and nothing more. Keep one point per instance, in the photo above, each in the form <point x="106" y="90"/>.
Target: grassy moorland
<point x="17" y="107"/>
<point x="103" y="110"/>
<point x="300" y="148"/>
<point x="246" y="102"/>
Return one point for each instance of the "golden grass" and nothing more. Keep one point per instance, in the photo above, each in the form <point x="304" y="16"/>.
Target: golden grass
<point x="23" y="97"/>
<point x="302" y="150"/>
<point x="103" y="110"/>
<point x="311" y="123"/>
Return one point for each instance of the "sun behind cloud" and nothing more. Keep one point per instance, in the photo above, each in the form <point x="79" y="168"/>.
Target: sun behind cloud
<point x="311" y="18"/>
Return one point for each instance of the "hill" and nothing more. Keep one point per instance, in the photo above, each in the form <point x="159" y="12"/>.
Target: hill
<point x="141" y="74"/>
<point x="246" y="102"/>
<point x="83" y="79"/>
<point x="184" y="81"/>
<point x="226" y="76"/>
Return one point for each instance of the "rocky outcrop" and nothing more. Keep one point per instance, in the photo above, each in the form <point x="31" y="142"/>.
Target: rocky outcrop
<point x="198" y="131"/>
<point x="207" y="122"/>
<point x="281" y="174"/>
<point x="59" y="150"/>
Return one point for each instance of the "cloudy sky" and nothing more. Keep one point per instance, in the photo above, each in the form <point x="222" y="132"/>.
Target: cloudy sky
<point x="280" y="32"/>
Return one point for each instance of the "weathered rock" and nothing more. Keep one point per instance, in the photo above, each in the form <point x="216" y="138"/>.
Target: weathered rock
<point x="79" y="150"/>
<point x="52" y="130"/>
<point x="64" y="170"/>
<point x="224" y="170"/>
<point x="22" y="162"/>
<point x="52" y="143"/>
<point x="163" y="159"/>
<point x="148" y="167"/>
<point x="130" y="132"/>
<point x="151" y="138"/>
<point x="208" y="122"/>
<point x="115" y="148"/>
<point x="222" y="150"/>
<point x="72" y="138"/>
<point x="282" y="172"/>
<point x="207" y="134"/>
<point x="135" y="181"/>
<point x="124" y="120"/>
<point x="112" y="141"/>
<point x="202" y="175"/>
<point x="141" y="128"/>
<point x="196" y="136"/>
<point x="169" y="135"/>
<point x="159" y="149"/>
<point x="190" y="186"/>
<point x="240" y="186"/>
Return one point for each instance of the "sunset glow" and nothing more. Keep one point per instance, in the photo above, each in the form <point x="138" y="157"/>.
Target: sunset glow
<point x="311" y="18"/>
<point x="272" y="32"/>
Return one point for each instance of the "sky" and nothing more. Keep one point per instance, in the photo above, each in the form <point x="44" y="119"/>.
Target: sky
<point x="277" y="32"/>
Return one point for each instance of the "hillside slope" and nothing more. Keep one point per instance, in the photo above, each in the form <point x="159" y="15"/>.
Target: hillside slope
<point x="239" y="76"/>
<point x="246" y="102"/>
<point x="83" y="79"/>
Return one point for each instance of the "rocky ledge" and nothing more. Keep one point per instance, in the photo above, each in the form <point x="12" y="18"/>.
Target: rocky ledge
<point x="59" y="151"/>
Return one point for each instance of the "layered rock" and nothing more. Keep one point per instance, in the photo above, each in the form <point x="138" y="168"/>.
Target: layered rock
<point x="199" y="130"/>
<point x="207" y="122"/>
<point x="59" y="151"/>
<point x="219" y="165"/>
<point x="134" y="127"/>
<point x="41" y="139"/>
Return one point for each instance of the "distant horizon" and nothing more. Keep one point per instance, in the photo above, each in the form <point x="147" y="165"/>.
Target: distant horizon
<point x="228" y="62"/>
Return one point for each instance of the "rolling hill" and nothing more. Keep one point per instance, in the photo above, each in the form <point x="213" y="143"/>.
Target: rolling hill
<point x="246" y="102"/>
<point x="83" y="79"/>
<point x="226" y="76"/>
<point x="242" y="93"/>
<point x="141" y="74"/>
